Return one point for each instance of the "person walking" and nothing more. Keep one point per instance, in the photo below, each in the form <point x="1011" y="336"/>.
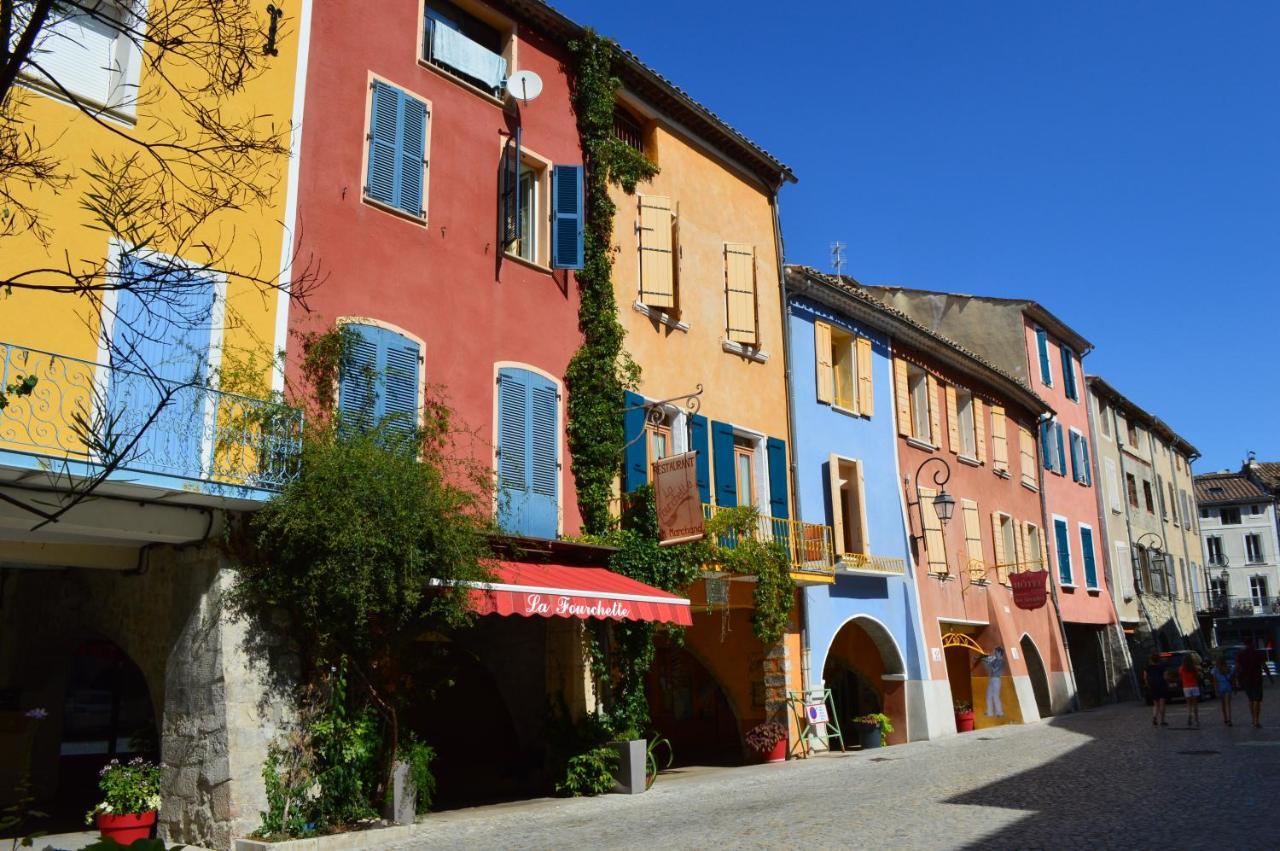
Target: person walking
<point x="1189" y="673"/>
<point x="1153" y="676"/>
<point x="1222" y="682"/>
<point x="1251" y="664"/>
<point x="995" y="664"/>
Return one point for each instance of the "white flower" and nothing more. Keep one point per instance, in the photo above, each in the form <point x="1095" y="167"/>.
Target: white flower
<point x="153" y="802"/>
<point x="39" y="713"/>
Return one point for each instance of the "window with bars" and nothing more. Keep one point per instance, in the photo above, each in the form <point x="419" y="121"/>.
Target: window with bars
<point x="627" y="129"/>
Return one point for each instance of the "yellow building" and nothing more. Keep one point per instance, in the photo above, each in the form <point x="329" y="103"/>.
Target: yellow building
<point x="697" y="282"/>
<point x="144" y="294"/>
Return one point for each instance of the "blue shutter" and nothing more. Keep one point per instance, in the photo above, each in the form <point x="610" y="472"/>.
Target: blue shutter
<point x="1090" y="568"/>
<point x="566" y="217"/>
<point x="384" y="143"/>
<point x="513" y="454"/>
<point x="413" y="153"/>
<point x="1046" y="443"/>
<point x="509" y="203"/>
<point x="635" y="462"/>
<point x="1064" y="551"/>
<point x="1075" y="457"/>
<point x="1062" y="449"/>
<point x="528" y="454"/>
<point x="1069" y="374"/>
<point x="379" y="380"/>
<point x="543" y="516"/>
<point x="777" y="453"/>
<point x="702" y="467"/>
<point x="1086" y="470"/>
<point x="726" y="475"/>
<point x="1042" y="343"/>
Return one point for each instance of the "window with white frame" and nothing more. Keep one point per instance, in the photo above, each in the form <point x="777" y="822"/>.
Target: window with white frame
<point x="1104" y="417"/>
<point x="1213" y="549"/>
<point x="1253" y="548"/>
<point x="1258" y="590"/>
<point x="90" y="51"/>
<point x="1229" y="515"/>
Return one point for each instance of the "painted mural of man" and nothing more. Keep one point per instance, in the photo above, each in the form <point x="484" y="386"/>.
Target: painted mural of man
<point x="996" y="665"/>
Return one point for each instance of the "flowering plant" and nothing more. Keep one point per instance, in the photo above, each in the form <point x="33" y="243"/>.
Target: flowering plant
<point x="762" y="737"/>
<point x="963" y="706"/>
<point x="877" y="719"/>
<point x="129" y="788"/>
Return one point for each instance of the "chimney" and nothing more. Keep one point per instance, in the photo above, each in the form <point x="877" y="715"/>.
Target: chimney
<point x="1253" y="460"/>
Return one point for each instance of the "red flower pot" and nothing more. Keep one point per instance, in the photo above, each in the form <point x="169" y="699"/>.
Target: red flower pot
<point x="126" y="828"/>
<point x="964" y="722"/>
<point x="778" y="753"/>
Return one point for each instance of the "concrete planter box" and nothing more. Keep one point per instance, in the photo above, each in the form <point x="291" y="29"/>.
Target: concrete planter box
<point x="629" y="776"/>
<point x="355" y="840"/>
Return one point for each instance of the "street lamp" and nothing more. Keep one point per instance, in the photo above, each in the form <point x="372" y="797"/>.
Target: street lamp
<point x="1154" y="560"/>
<point x="944" y="504"/>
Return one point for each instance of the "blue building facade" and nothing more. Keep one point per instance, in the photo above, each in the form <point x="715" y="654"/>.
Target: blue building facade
<point x="863" y="631"/>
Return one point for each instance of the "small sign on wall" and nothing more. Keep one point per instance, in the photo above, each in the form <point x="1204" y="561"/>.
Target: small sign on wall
<point x="816" y="713"/>
<point x="1013" y="651"/>
<point x="937" y="654"/>
<point x="675" y="489"/>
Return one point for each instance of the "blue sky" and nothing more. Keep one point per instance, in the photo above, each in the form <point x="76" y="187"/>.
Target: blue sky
<point x="1118" y="162"/>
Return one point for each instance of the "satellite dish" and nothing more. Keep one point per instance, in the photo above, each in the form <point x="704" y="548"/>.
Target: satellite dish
<point x="524" y="86"/>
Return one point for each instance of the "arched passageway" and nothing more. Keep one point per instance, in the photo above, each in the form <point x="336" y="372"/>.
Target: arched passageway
<point x="1039" y="677"/>
<point x="864" y="670"/>
<point x="689" y="707"/>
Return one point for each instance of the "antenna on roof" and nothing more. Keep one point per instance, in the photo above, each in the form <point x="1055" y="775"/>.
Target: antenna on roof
<point x="837" y="256"/>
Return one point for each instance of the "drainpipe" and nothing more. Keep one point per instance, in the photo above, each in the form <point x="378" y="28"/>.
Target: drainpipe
<point x="1053" y="586"/>
<point x="1105" y="517"/>
<point x="792" y="474"/>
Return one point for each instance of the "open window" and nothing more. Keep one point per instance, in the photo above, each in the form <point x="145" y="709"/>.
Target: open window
<point x="1027" y="456"/>
<point x="918" y="384"/>
<point x="967" y="426"/>
<point x="468" y="41"/>
<point x="843" y="363"/>
<point x="90" y="50"/>
<point x="539" y="208"/>
<point x="628" y="129"/>
<point x="848" y="505"/>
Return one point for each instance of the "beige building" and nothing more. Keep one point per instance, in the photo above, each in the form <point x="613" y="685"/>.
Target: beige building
<point x="1149" y="520"/>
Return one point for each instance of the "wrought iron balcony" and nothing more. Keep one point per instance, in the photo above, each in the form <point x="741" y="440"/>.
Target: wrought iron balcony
<point x="808" y="545"/>
<point x="1223" y="605"/>
<point x="81" y="412"/>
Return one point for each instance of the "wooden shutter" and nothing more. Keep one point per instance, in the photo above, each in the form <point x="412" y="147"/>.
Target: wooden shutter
<point x="544" y="451"/>
<point x="1075" y="455"/>
<point x="512" y="451"/>
<point x="566" y="217"/>
<point x="1069" y="374"/>
<point x="635" y="460"/>
<point x="510" y="190"/>
<point x="999" y="438"/>
<point x="379" y="380"/>
<point x="902" y="397"/>
<point x="935" y="543"/>
<point x="528" y="453"/>
<point x="740" y="292"/>
<point x="723" y="462"/>
<point x="972" y="531"/>
<point x="384" y="143"/>
<point x="980" y="428"/>
<point x="822" y="359"/>
<point x="997" y="537"/>
<point x="1046" y="444"/>
<point x="1062" y="450"/>
<point x="1042" y="344"/>
<point x="953" y="419"/>
<point x="862" y="532"/>
<point x="776" y="455"/>
<point x="657" y="263"/>
<point x="1027" y="452"/>
<point x="1114" y="497"/>
<point x="1062" y="542"/>
<point x="702" y="466"/>
<point x="866" y="389"/>
<point x="1086" y="463"/>
<point x="401" y="379"/>
<point x="1090" y="567"/>
<point x="935" y="413"/>
<point x="836" y="501"/>
<point x="413" y="152"/>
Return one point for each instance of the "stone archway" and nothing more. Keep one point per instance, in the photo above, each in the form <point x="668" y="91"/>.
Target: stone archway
<point x="1037" y="674"/>
<point x="689" y="707"/>
<point x="865" y="671"/>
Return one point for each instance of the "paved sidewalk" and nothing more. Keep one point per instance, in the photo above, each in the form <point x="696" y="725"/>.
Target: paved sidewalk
<point x="1099" y="779"/>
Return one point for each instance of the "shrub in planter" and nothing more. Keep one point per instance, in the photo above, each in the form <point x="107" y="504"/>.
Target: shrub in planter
<point x="873" y="729"/>
<point x="768" y="739"/>
<point x="964" y="716"/>
<point x="130" y="800"/>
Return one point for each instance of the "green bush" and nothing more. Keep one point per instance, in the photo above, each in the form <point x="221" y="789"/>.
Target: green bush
<point x="589" y="773"/>
<point x="419" y="756"/>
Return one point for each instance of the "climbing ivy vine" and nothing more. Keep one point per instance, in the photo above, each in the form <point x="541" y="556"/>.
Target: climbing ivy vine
<point x="600" y="370"/>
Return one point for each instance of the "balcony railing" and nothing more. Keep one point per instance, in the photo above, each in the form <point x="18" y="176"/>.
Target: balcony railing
<point x="860" y="563"/>
<point x="176" y="429"/>
<point x="448" y="48"/>
<point x="1224" y="606"/>
<point x="808" y="545"/>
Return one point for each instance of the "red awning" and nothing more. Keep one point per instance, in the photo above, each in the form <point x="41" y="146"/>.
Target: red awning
<point x="557" y="590"/>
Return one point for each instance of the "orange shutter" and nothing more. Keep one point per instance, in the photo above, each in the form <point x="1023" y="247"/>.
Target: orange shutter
<point x="953" y="420"/>
<point x="866" y="394"/>
<point x="657" y="265"/>
<point x="999" y="439"/>
<point x="980" y="427"/>
<point x="935" y="413"/>
<point x="740" y="292"/>
<point x="902" y="397"/>
<point x="822" y="349"/>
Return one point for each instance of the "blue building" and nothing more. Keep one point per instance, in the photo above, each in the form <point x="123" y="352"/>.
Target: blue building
<point x="863" y="632"/>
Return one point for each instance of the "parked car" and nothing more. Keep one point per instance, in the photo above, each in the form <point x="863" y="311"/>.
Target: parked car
<point x="1172" y="661"/>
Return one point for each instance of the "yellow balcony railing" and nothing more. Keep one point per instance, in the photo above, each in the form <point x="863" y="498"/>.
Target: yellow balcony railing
<point x="861" y="563"/>
<point x="808" y="545"/>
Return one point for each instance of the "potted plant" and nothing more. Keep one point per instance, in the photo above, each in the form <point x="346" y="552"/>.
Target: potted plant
<point x="873" y="729"/>
<point x="632" y="763"/>
<point x="130" y="800"/>
<point x="769" y="739"/>
<point x="964" y="716"/>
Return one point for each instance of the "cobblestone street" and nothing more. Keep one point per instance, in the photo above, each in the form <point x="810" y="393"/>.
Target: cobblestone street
<point x="1099" y="779"/>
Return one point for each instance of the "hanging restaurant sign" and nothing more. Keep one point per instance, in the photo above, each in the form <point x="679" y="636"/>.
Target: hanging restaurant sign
<point x="1029" y="588"/>
<point x="675" y="493"/>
